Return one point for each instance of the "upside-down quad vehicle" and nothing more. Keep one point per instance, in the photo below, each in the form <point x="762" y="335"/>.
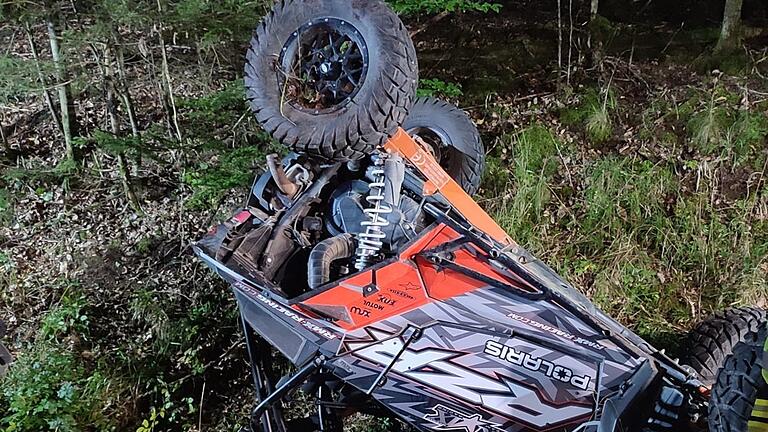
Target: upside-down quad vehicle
<point x="362" y="258"/>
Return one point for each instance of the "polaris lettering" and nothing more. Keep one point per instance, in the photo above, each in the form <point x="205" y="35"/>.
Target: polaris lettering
<point x="527" y="361"/>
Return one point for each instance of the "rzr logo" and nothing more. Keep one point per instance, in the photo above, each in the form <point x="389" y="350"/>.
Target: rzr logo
<point x="446" y="419"/>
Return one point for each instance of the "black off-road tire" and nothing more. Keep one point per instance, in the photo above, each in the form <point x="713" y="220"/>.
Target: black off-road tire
<point x="462" y="154"/>
<point x="713" y="340"/>
<point x="736" y="386"/>
<point x="370" y="116"/>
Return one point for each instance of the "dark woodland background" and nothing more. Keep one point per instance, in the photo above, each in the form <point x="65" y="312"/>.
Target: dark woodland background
<point x="627" y="145"/>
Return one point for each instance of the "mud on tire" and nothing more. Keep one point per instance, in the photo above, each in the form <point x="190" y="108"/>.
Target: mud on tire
<point x="453" y="137"/>
<point x="713" y="340"/>
<point x="331" y="78"/>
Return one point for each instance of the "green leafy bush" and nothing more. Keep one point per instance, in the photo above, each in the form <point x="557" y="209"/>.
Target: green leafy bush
<point x="6" y="207"/>
<point x="49" y="389"/>
<point x="435" y="87"/>
<point x="112" y="144"/>
<point x="410" y="7"/>
<point x="68" y="317"/>
<point x="17" y="77"/>
<point x="221" y="107"/>
<point x="214" y="21"/>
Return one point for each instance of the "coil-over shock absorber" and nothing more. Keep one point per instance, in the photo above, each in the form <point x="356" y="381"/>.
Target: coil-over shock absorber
<point x="370" y="241"/>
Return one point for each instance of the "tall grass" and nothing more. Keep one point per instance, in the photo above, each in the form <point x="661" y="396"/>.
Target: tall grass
<point x="656" y="244"/>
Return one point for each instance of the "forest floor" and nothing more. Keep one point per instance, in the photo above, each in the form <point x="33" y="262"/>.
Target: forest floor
<point x="642" y="180"/>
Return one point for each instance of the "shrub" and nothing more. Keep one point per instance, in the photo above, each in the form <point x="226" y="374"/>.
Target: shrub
<point x="436" y="88"/>
<point x="6" y="207"/>
<point x="49" y="389"/>
<point x="411" y="7"/>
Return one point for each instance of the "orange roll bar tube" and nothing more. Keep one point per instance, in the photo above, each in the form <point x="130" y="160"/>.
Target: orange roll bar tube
<point x="439" y="181"/>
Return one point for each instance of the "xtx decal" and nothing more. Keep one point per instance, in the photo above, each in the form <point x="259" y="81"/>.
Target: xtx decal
<point x="555" y="331"/>
<point x="435" y="369"/>
<point x="523" y="359"/>
<point x="386" y="299"/>
<point x="447" y="419"/>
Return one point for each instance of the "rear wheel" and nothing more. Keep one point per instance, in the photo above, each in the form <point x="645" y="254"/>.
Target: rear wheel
<point x="738" y="386"/>
<point x="713" y="340"/>
<point x="451" y="137"/>
<point x="331" y="78"/>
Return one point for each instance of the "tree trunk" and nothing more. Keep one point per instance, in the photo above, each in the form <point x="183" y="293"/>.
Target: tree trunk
<point x="570" y="43"/>
<point x="125" y="95"/>
<point x="166" y="76"/>
<point x="41" y="77"/>
<point x="168" y="84"/>
<point x="112" y="103"/>
<point x="730" y="34"/>
<point x="596" y="36"/>
<point x="559" y="45"/>
<point x="62" y="86"/>
<point x="3" y="139"/>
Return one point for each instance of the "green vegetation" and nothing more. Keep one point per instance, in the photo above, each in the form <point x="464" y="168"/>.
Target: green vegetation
<point x="594" y="113"/>
<point x="6" y="207"/>
<point x="16" y="77"/>
<point x="210" y="120"/>
<point x="439" y="88"/>
<point x="411" y="7"/>
<point x="665" y="239"/>
<point x="235" y="169"/>
<point x="533" y="154"/>
<point x="50" y="387"/>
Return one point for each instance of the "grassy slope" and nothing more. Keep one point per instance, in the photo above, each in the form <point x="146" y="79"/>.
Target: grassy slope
<point x="662" y="218"/>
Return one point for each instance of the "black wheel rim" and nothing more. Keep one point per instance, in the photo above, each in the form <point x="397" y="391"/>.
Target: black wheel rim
<point x="323" y="66"/>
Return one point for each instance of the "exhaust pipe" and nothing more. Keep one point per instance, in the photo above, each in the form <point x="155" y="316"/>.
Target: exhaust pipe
<point x="285" y="185"/>
<point x="326" y="252"/>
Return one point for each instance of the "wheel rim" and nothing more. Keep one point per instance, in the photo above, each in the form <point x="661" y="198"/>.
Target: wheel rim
<point x="438" y="141"/>
<point x="323" y="66"/>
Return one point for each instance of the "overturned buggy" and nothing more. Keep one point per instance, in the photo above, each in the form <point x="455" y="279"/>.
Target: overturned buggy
<point x="363" y="259"/>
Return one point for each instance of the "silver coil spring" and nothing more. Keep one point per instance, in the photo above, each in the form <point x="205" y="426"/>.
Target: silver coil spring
<point x="370" y="241"/>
